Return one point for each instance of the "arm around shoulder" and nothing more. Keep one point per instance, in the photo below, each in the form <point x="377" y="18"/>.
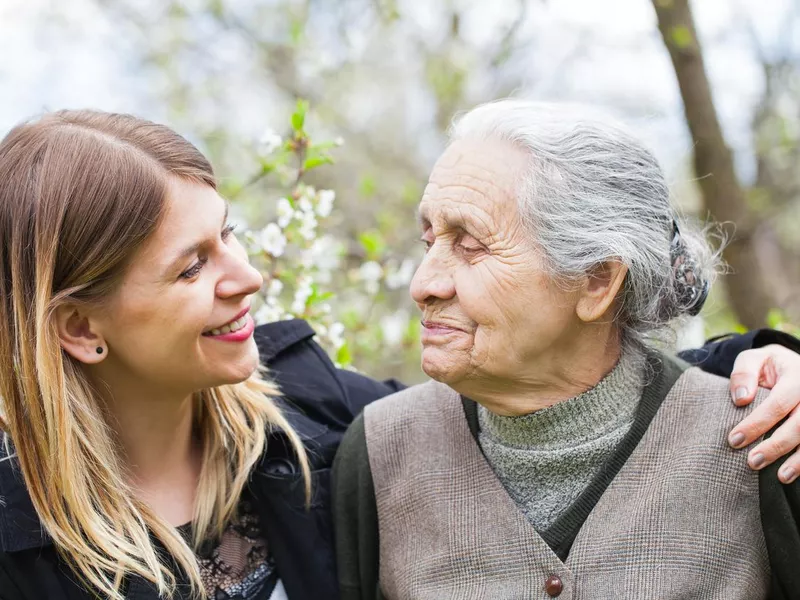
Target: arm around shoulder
<point x="355" y="518"/>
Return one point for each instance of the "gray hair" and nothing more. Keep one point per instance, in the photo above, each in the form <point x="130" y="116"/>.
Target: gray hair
<point x="593" y="193"/>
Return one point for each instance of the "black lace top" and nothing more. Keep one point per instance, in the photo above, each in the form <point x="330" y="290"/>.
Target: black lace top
<point x="237" y="566"/>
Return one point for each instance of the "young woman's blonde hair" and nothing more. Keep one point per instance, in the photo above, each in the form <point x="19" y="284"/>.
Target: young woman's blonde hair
<point x="80" y="191"/>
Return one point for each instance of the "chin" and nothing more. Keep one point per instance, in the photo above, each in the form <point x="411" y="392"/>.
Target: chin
<point x="440" y="367"/>
<point x="240" y="370"/>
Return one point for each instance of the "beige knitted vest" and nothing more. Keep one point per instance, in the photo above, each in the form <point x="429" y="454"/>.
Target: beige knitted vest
<point x="680" y="520"/>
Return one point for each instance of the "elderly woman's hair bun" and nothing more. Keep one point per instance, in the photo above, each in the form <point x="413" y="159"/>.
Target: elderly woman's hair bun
<point x="594" y="193"/>
<point x="690" y="285"/>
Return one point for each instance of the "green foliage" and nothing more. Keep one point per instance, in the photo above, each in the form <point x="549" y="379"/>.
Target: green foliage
<point x="777" y="319"/>
<point x="299" y="117"/>
<point x="368" y="186"/>
<point x="373" y="243"/>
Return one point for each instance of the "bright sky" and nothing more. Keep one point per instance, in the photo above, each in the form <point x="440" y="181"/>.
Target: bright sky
<point x="622" y="63"/>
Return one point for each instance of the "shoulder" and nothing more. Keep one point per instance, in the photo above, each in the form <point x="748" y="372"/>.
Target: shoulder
<point x="709" y="395"/>
<point x="393" y="416"/>
<point x="310" y="384"/>
<point x="303" y="372"/>
<point x="410" y="420"/>
<point x="306" y="374"/>
<point x="318" y="400"/>
<point x="411" y="403"/>
<point x="20" y="528"/>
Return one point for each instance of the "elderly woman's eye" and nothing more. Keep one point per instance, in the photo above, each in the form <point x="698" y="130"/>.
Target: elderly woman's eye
<point x="470" y="244"/>
<point x="427" y="239"/>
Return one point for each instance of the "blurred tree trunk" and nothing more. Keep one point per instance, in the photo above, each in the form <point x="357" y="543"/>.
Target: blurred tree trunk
<point x="722" y="193"/>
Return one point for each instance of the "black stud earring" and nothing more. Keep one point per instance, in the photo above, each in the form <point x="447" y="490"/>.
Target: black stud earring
<point x="99" y="349"/>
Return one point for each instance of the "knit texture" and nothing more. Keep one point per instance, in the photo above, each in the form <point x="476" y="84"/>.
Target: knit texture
<point x="547" y="458"/>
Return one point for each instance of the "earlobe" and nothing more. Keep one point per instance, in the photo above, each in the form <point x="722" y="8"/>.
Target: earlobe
<point x="600" y="290"/>
<point x="78" y="336"/>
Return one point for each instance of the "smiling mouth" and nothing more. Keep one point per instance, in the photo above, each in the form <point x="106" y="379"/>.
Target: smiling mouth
<point x="239" y="322"/>
<point x="434" y="328"/>
<point x="230" y="327"/>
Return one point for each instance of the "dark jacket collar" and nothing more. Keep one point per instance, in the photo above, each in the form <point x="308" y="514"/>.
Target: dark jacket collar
<point x="20" y="528"/>
<point x="19" y="525"/>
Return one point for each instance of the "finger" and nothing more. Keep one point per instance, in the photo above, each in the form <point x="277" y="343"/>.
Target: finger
<point x="779" y="403"/>
<point x="745" y="375"/>
<point x="784" y="440"/>
<point x="790" y="469"/>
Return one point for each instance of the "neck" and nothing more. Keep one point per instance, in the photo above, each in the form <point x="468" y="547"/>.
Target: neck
<point x="560" y="373"/>
<point x="155" y="432"/>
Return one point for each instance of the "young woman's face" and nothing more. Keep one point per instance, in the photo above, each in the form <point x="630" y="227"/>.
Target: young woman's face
<point x="180" y="319"/>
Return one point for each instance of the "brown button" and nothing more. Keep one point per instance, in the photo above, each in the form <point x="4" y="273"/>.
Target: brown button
<point x="553" y="586"/>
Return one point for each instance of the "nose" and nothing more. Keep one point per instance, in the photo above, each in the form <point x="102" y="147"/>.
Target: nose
<point x="432" y="281"/>
<point x="240" y="278"/>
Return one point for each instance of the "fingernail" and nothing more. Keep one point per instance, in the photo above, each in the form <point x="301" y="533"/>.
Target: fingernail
<point x="788" y="474"/>
<point x="736" y="439"/>
<point x="740" y="393"/>
<point x="756" y="460"/>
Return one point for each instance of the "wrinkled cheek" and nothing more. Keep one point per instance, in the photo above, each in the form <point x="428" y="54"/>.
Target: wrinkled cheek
<point x="483" y="350"/>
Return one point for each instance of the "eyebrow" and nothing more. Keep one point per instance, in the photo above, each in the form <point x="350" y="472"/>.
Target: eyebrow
<point x="422" y="220"/>
<point x="453" y="221"/>
<point x="189" y="250"/>
<point x="449" y="218"/>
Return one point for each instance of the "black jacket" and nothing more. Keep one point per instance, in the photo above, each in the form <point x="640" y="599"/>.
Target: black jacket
<point x="319" y="401"/>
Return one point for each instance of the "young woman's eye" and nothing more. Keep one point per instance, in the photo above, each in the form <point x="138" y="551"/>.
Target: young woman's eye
<point x="194" y="270"/>
<point x="227" y="231"/>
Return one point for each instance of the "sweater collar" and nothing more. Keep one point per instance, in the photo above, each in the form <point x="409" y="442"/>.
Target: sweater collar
<point x="605" y="407"/>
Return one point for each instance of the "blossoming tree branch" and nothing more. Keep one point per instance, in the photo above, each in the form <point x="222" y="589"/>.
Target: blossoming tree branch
<point x="339" y="286"/>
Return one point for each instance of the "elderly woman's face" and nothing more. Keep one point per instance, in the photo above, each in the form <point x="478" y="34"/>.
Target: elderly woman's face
<point x="488" y="309"/>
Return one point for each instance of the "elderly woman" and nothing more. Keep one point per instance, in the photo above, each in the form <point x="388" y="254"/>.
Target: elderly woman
<point x="555" y="452"/>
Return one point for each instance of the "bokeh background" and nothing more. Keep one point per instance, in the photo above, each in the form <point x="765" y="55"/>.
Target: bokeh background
<point x="712" y="85"/>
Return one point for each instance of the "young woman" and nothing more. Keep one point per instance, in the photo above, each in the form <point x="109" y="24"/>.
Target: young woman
<point x="145" y="456"/>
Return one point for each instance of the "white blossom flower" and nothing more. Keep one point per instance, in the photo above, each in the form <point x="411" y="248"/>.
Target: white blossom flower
<point x="339" y="141"/>
<point x="393" y="327"/>
<point x="370" y="273"/>
<point x="325" y="203"/>
<point x="307" y="259"/>
<point x="268" y="313"/>
<point x="325" y="253"/>
<point x="272" y="240"/>
<point x="285" y="212"/>
<point x="336" y="335"/>
<point x="402" y="276"/>
<point x="305" y="205"/>
<point x="304" y="202"/>
<point x="302" y="294"/>
<point x="274" y="288"/>
<point x="269" y="142"/>
<point x="308" y="226"/>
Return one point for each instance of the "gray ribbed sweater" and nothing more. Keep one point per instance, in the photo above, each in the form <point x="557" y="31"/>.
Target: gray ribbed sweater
<point x="547" y="458"/>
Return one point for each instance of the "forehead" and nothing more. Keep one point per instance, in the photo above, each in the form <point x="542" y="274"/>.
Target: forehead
<point x="192" y="211"/>
<point x="474" y="178"/>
